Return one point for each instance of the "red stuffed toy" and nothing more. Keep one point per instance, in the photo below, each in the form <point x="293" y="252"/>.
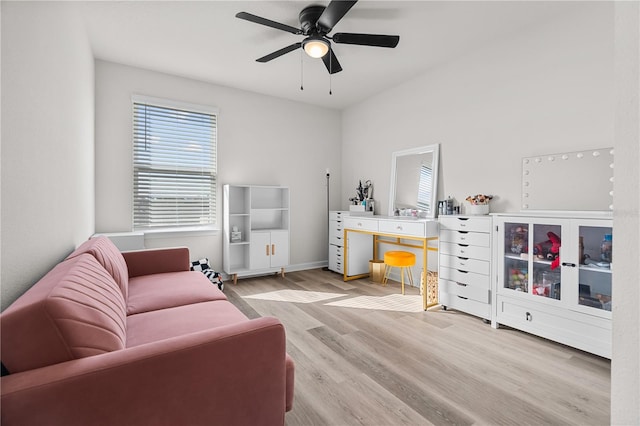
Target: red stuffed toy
<point x="550" y="249"/>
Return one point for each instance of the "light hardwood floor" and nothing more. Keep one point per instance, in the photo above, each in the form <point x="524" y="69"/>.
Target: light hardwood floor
<point x="359" y="366"/>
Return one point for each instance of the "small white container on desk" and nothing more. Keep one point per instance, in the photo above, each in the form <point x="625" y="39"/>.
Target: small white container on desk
<point x="476" y="209"/>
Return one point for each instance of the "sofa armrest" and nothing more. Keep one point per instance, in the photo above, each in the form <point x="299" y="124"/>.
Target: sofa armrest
<point x="231" y="375"/>
<point x="157" y="261"/>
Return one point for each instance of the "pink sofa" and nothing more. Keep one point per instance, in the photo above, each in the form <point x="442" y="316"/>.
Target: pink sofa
<point x="136" y="338"/>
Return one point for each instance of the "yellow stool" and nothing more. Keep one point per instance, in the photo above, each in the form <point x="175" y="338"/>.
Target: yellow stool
<point x="399" y="259"/>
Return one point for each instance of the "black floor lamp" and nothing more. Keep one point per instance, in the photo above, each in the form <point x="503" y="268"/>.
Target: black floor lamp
<point x="328" y="230"/>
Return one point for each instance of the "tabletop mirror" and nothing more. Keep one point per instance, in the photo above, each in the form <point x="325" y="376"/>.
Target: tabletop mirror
<point x="414" y="182"/>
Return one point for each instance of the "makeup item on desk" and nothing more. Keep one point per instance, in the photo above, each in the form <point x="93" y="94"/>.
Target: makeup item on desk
<point x="449" y="205"/>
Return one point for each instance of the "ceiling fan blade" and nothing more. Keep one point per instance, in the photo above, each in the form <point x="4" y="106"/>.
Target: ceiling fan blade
<point x="334" y="13"/>
<point x="279" y="53"/>
<point x="331" y="62"/>
<point x="269" y="23"/>
<point x="377" y="40"/>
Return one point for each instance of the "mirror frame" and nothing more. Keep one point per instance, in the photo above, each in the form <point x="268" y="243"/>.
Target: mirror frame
<point x="435" y="151"/>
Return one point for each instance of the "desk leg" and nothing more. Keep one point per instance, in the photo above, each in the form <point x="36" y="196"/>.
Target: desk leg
<point x="423" y="278"/>
<point x="344" y="255"/>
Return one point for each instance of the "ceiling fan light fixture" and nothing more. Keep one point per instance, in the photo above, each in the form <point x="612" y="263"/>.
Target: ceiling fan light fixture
<point x="315" y="46"/>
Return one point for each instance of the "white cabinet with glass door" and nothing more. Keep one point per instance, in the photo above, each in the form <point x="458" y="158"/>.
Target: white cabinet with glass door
<point x="554" y="278"/>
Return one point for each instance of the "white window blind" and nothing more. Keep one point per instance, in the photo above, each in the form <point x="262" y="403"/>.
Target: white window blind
<point x="425" y="187"/>
<point x="174" y="167"/>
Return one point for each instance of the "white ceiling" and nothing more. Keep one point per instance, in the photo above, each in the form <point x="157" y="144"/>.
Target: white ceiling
<point x="203" y="40"/>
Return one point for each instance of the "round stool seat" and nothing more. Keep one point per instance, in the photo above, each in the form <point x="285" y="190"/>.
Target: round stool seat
<point x="399" y="258"/>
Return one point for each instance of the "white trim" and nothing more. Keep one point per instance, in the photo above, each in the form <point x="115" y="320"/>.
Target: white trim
<point x="150" y="234"/>
<point x="168" y="103"/>
<point x="575" y="214"/>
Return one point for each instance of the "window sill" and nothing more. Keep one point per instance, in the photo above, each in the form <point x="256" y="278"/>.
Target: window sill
<point x="179" y="232"/>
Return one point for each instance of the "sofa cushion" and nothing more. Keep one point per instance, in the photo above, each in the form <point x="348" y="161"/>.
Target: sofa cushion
<point x="76" y="310"/>
<point x="109" y="257"/>
<point x="168" y="290"/>
<point x="163" y="324"/>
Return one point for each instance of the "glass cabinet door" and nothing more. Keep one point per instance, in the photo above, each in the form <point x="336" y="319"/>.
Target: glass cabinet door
<point x="596" y="260"/>
<point x="532" y="259"/>
<point x="546" y="260"/>
<point x="516" y="256"/>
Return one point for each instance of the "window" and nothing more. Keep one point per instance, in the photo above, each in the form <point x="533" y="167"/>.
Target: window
<point x="174" y="165"/>
<point x="425" y="187"/>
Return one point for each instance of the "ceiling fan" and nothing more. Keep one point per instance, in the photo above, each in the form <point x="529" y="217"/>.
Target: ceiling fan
<point x="316" y="22"/>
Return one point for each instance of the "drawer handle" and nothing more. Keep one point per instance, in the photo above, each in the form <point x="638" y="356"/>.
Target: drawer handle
<point x="463" y="245"/>
<point x="463" y="258"/>
<point x="573" y="265"/>
<point x="463" y="298"/>
<point x="461" y="284"/>
<point x="463" y="218"/>
<point x="528" y="316"/>
<point x="461" y="271"/>
<point x="463" y="232"/>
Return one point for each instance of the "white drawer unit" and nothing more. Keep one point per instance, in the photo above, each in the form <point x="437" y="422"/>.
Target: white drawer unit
<point x="336" y="240"/>
<point x="464" y="279"/>
<point x="336" y="258"/>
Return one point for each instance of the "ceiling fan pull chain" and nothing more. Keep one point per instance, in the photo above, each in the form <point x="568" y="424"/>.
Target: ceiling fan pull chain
<point x="301" y="68"/>
<point x="330" y="62"/>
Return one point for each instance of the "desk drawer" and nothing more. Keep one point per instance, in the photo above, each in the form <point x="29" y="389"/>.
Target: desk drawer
<point x="468" y="278"/>
<point x="464" y="237"/>
<point x="465" y="291"/>
<point x="463" y="250"/>
<point x="402" y="227"/>
<point x="361" y="224"/>
<point x="466" y="223"/>
<point x="464" y="264"/>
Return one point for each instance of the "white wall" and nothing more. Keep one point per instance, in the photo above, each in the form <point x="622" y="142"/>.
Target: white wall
<point x="625" y="365"/>
<point x="261" y="140"/>
<point x="544" y="90"/>
<point x="47" y="140"/>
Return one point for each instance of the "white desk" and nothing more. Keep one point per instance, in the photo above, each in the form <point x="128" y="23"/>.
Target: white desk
<point x="398" y="231"/>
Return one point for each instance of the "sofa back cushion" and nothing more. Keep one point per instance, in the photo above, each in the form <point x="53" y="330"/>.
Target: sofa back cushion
<point x="76" y="310"/>
<point x="105" y="252"/>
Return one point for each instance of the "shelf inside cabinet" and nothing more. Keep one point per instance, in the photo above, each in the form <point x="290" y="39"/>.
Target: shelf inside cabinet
<point x="588" y="268"/>
<point x="269" y="198"/>
<point x="516" y="257"/>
